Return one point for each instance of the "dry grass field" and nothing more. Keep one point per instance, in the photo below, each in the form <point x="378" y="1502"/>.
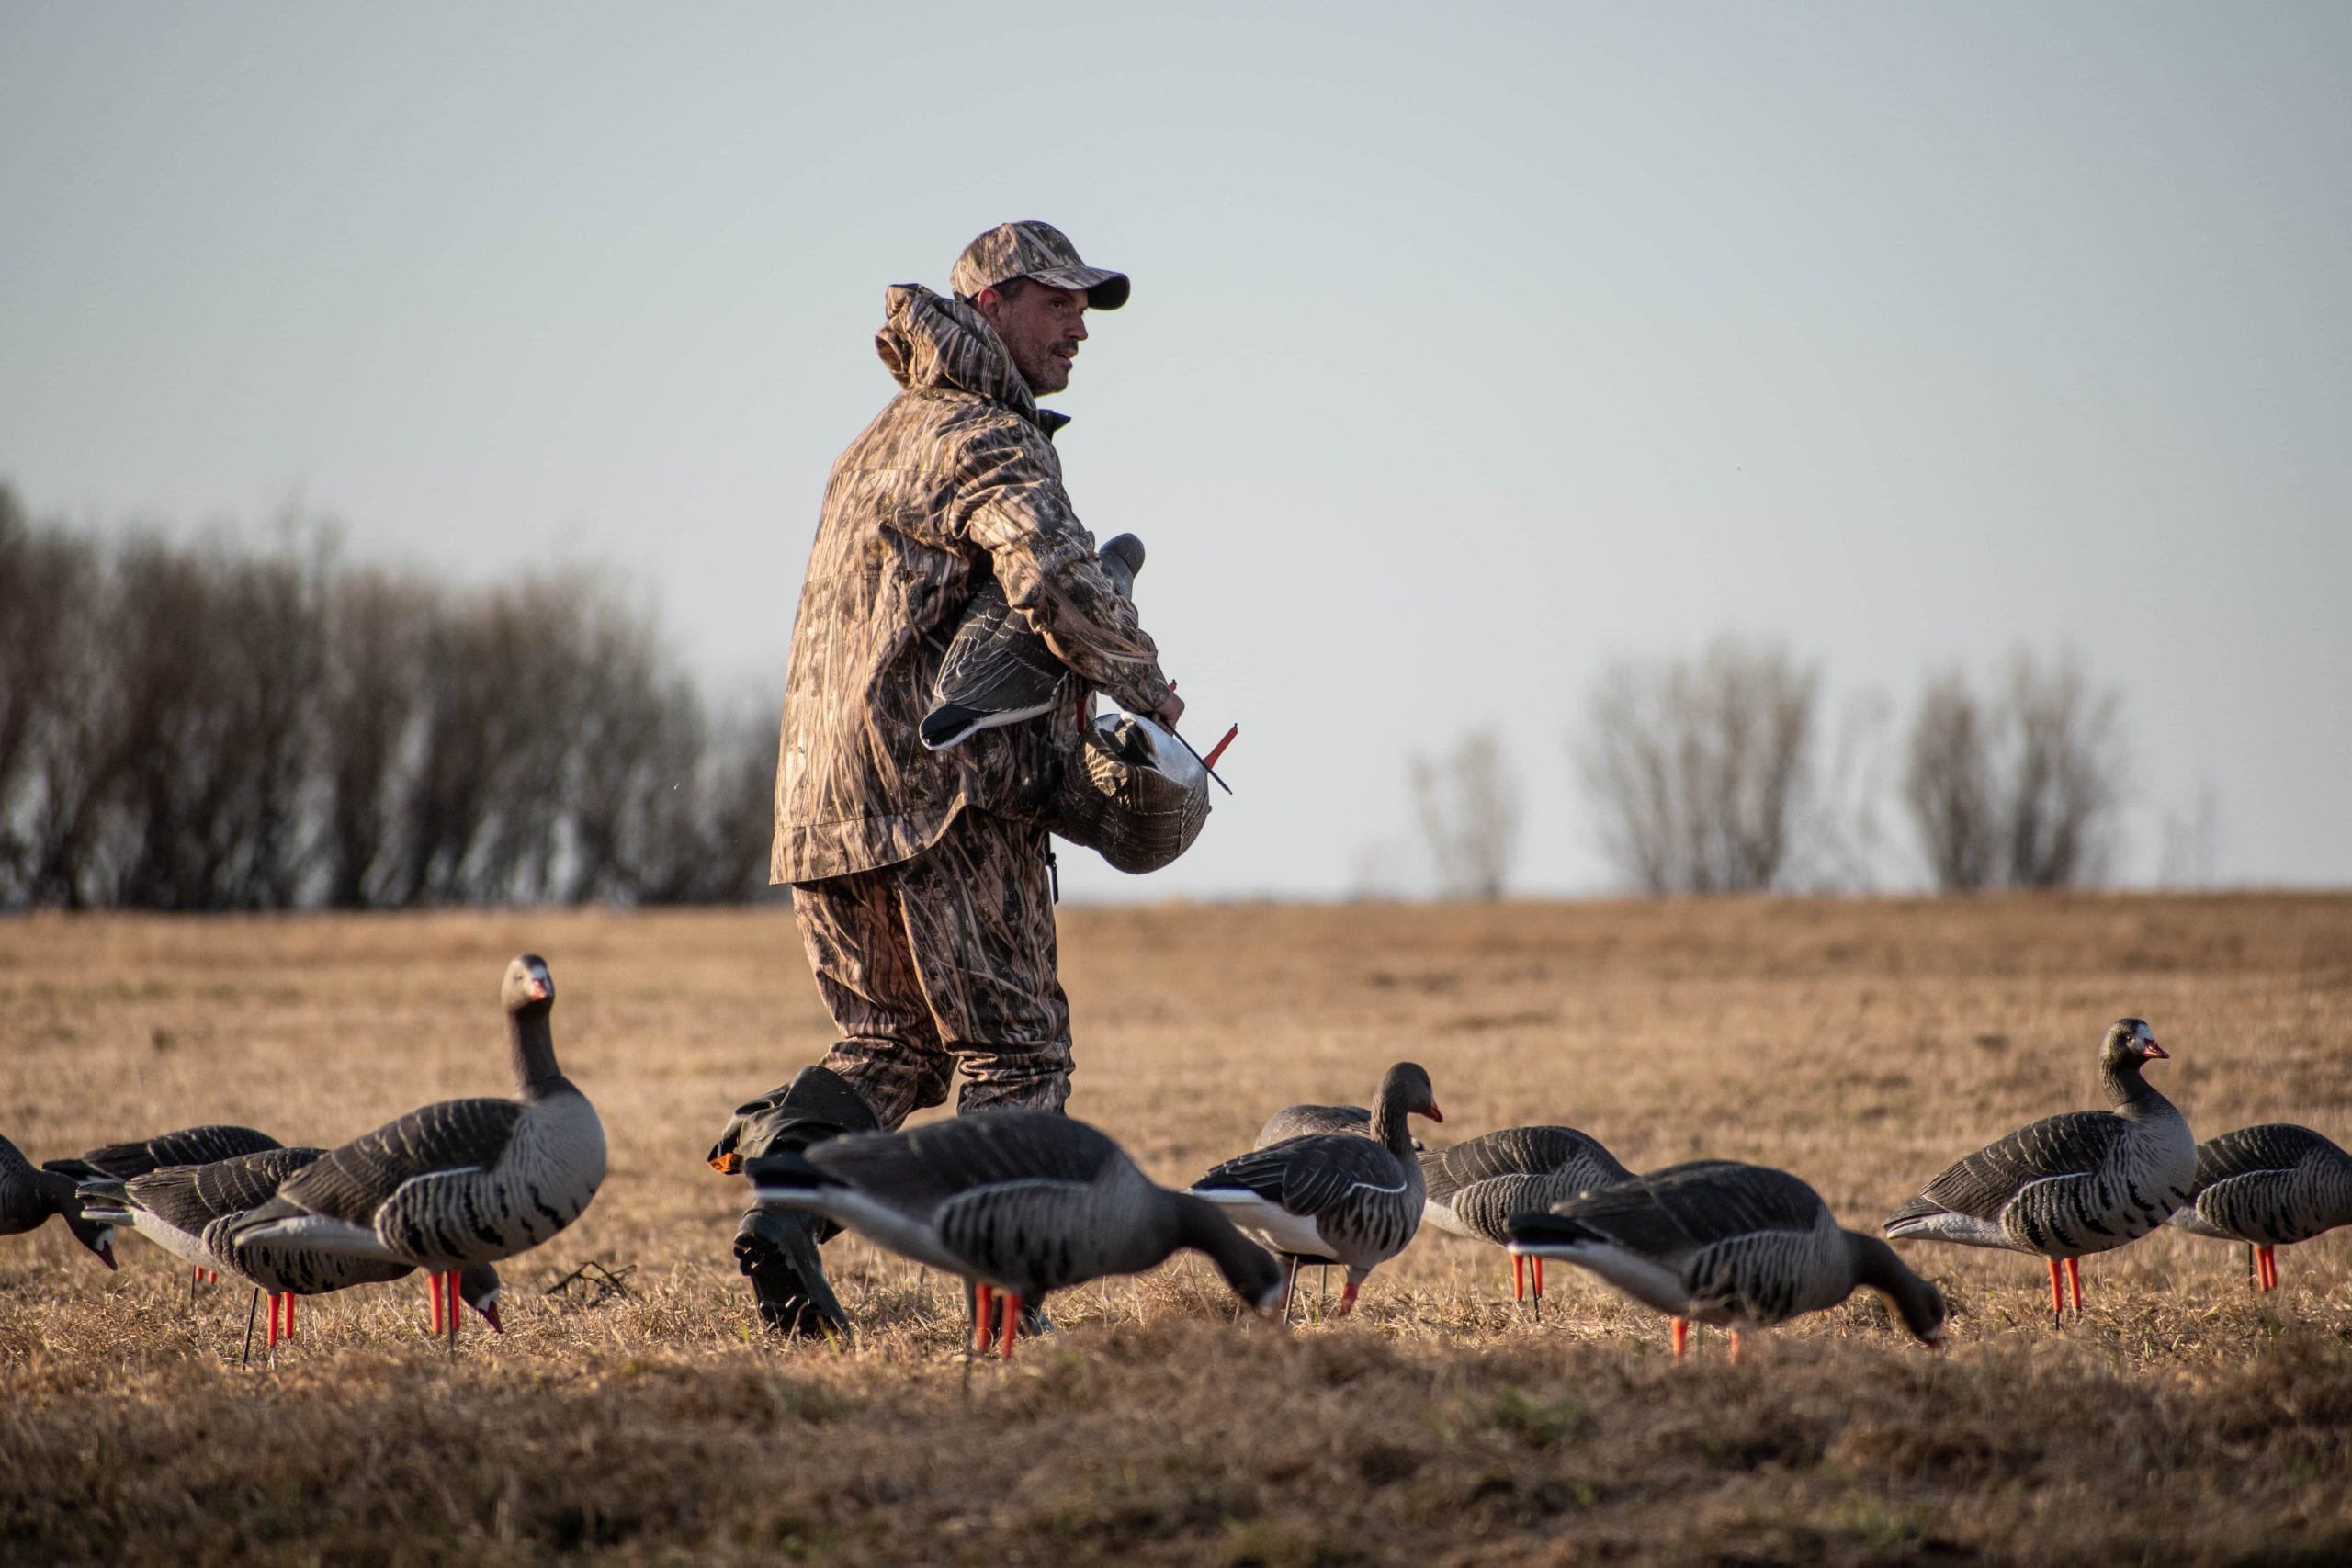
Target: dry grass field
<point x="1861" y="1045"/>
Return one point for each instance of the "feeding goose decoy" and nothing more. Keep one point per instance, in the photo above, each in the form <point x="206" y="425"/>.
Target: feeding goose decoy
<point x="1473" y="1188"/>
<point x="30" y="1195"/>
<point x="461" y="1182"/>
<point x="997" y="669"/>
<point x="2269" y="1187"/>
<point x="1018" y="1202"/>
<point x="2085" y="1181"/>
<point x="1335" y="1197"/>
<point x="186" y="1145"/>
<point x="1742" y="1245"/>
<point x="195" y="1212"/>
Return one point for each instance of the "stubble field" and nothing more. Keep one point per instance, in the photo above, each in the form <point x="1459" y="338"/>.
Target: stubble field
<point x="1860" y="1043"/>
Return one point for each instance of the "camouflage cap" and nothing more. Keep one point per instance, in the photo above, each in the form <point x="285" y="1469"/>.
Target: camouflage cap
<point x="1036" y="250"/>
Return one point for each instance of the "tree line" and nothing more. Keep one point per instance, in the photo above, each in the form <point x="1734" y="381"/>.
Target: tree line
<point x="1724" y="772"/>
<point x="221" y="726"/>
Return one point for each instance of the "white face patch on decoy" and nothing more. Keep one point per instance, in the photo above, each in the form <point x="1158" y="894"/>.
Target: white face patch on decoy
<point x="2143" y="1039"/>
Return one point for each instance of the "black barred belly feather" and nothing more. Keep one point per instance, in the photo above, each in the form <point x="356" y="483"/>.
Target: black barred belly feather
<point x="2068" y="1216"/>
<point x="1763" y="1278"/>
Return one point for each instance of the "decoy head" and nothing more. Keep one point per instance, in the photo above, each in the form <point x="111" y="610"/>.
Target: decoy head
<point x="97" y="1238"/>
<point x="480" y="1287"/>
<point x="528" y="983"/>
<point x="2129" y="1044"/>
<point x="1407" y="1087"/>
<point x="1920" y="1304"/>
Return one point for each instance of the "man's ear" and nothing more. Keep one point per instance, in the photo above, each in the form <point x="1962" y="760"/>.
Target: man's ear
<point x="987" y="300"/>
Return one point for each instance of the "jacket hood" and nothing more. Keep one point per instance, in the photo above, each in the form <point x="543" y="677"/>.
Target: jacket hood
<point x="928" y="340"/>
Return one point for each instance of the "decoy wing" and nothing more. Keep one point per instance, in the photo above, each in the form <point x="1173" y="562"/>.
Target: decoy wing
<point x="1517" y="1151"/>
<point x="1309" y="1121"/>
<point x="352" y="1183"/>
<point x="188" y="1145"/>
<point x="1673" y="1214"/>
<point x="2075" y="1144"/>
<point x="190" y="1197"/>
<point x="1311" y="1175"/>
<point x="2273" y="1147"/>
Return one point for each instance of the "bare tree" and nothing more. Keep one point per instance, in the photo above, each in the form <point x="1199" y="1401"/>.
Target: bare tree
<point x="2019" y="789"/>
<point x="1468" y="806"/>
<point x="1701" y="772"/>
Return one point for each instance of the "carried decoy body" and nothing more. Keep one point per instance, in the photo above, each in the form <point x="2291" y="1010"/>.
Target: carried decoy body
<point x="1335" y="1197"/>
<point x="195" y="1212"/>
<point x="2082" y="1182"/>
<point x="30" y="1195"/>
<point x="461" y="1182"/>
<point x="186" y="1146"/>
<point x="1018" y="1202"/>
<point x="1473" y="1188"/>
<point x="2269" y="1186"/>
<point x="1718" y="1241"/>
<point x="997" y="669"/>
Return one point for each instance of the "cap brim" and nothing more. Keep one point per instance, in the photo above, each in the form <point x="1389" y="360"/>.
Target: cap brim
<point x="1103" y="290"/>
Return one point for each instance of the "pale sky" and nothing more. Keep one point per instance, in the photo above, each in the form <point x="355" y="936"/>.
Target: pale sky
<point x="1470" y="348"/>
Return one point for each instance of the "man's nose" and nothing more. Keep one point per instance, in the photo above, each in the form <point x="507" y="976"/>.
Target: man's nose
<point x="1078" y="327"/>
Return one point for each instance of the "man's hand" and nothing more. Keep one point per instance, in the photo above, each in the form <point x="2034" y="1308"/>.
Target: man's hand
<point x="1168" y="712"/>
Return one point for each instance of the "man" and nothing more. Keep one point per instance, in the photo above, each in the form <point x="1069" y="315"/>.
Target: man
<point x="919" y="879"/>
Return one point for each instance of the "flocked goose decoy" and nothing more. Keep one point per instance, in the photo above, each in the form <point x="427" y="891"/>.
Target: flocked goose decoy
<point x="1743" y="1245"/>
<point x="461" y="1182"/>
<point x="998" y="669"/>
<point x="30" y="1195"/>
<point x="1335" y="1197"/>
<point x="186" y="1145"/>
<point x="194" y="1211"/>
<point x="1474" y="1187"/>
<point x="1019" y="1203"/>
<point x="2269" y="1187"/>
<point x="2085" y="1181"/>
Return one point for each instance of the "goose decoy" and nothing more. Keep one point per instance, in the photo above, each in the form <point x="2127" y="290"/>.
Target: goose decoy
<point x="188" y="1145"/>
<point x="194" y="1211"/>
<point x="1473" y="1188"/>
<point x="1335" y="1197"/>
<point x="2085" y="1181"/>
<point x="461" y="1182"/>
<point x="30" y="1195"/>
<point x="997" y="669"/>
<point x="1018" y="1202"/>
<point x="2269" y="1187"/>
<point x="1742" y="1245"/>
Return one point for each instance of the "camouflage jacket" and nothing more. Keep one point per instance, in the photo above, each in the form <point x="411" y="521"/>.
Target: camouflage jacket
<point x="957" y="475"/>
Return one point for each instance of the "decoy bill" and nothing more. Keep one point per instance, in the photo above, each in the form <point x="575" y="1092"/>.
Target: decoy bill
<point x="2081" y="1182"/>
<point x="1718" y="1241"/>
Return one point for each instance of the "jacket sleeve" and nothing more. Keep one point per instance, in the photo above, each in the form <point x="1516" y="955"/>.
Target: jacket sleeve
<point x="1010" y="502"/>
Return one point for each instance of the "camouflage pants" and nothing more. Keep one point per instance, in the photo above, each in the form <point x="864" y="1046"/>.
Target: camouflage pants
<point x="943" y="959"/>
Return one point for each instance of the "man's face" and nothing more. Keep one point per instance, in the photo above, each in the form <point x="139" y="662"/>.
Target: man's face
<point x="1043" y="327"/>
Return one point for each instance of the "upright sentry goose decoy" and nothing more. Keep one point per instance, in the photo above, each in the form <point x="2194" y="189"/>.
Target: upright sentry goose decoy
<point x="186" y="1145"/>
<point x="30" y="1195"/>
<point x="2085" y="1181"/>
<point x="461" y="1181"/>
<point x="998" y="669"/>
<point x="1473" y="1188"/>
<point x="194" y="1211"/>
<point x="1333" y="1196"/>
<point x="2269" y="1187"/>
<point x="1743" y="1245"/>
<point x="1018" y="1202"/>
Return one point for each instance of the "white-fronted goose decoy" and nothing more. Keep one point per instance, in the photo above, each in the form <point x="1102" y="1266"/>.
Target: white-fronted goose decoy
<point x="2085" y="1181"/>
<point x="186" y="1145"/>
<point x="461" y="1182"/>
<point x="2269" y="1187"/>
<point x="194" y="1211"/>
<point x="30" y="1195"/>
<point x="1333" y="1196"/>
<point x="1473" y="1188"/>
<point x="1019" y="1203"/>
<point x="997" y="669"/>
<point x="1743" y="1245"/>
